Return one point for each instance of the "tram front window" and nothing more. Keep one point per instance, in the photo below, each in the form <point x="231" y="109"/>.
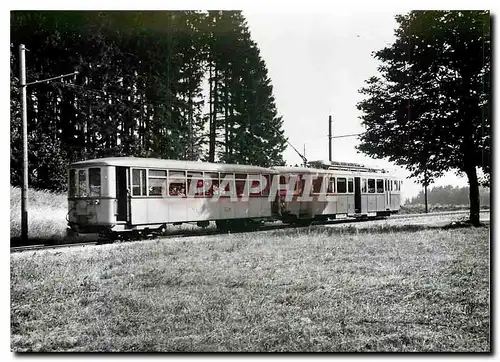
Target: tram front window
<point x="82" y="183"/>
<point x="72" y="183"/>
<point x="95" y="181"/>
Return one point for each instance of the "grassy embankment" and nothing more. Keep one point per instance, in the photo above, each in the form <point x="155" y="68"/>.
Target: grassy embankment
<point x="316" y="289"/>
<point x="46" y="214"/>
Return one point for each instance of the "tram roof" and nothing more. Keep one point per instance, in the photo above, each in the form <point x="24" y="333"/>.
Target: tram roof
<point x="310" y="170"/>
<point x="141" y="162"/>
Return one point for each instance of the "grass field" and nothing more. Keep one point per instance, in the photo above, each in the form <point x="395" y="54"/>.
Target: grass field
<point x="46" y="214"/>
<point x="317" y="289"/>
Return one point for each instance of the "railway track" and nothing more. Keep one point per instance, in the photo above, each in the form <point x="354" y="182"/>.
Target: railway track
<point x="215" y="231"/>
<point x="176" y="234"/>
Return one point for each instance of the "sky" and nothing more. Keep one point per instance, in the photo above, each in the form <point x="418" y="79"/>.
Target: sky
<point x="317" y="61"/>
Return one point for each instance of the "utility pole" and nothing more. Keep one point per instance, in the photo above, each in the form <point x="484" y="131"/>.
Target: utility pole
<point x="24" y="115"/>
<point x="330" y="138"/>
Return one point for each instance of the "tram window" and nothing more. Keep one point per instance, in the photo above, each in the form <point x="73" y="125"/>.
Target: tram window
<point x="157" y="186"/>
<point x="380" y="186"/>
<point x="212" y="187"/>
<point x="282" y="180"/>
<point x="211" y="181"/>
<point x="177" y="188"/>
<point x="72" y="183"/>
<point x="95" y="181"/>
<point x="350" y="185"/>
<point x="229" y="176"/>
<point x="82" y="183"/>
<point x="157" y="173"/>
<point x="298" y="184"/>
<point x="228" y="188"/>
<point x="254" y="182"/>
<point x="341" y="185"/>
<point x="240" y="187"/>
<point x="138" y="182"/>
<point x="176" y="183"/>
<point x="240" y="183"/>
<point x="316" y="186"/>
<point x="363" y="185"/>
<point x="329" y="186"/>
<point x="371" y="186"/>
<point x="332" y="185"/>
<point x="211" y="175"/>
<point x="176" y="174"/>
<point x="265" y="191"/>
<point x="194" y="183"/>
<point x="254" y="185"/>
<point x="157" y="181"/>
<point x="228" y="180"/>
<point x="192" y="174"/>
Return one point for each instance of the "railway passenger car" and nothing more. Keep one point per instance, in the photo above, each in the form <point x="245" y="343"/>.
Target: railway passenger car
<point x="337" y="188"/>
<point x="120" y="194"/>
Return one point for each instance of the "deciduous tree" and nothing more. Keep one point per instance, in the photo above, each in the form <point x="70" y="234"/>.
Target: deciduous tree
<point x="429" y="110"/>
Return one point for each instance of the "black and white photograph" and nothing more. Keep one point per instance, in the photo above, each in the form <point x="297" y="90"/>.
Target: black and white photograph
<point x="258" y="180"/>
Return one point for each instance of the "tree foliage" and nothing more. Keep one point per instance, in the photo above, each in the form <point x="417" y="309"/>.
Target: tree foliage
<point x="141" y="90"/>
<point x="430" y="109"/>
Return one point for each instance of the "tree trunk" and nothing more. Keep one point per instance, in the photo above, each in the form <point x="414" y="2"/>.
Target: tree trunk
<point x="212" y="112"/>
<point x="191" y="130"/>
<point x="425" y="196"/>
<point x="473" y="196"/>
<point x="226" y="121"/>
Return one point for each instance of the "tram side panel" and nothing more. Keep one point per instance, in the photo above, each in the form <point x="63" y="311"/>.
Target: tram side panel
<point x="330" y="207"/>
<point x="170" y="210"/>
<point x="380" y="202"/>
<point x="321" y="206"/>
<point x="364" y="203"/>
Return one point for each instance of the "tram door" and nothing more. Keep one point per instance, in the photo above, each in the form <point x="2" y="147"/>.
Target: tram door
<point x="122" y="194"/>
<point x="357" y="195"/>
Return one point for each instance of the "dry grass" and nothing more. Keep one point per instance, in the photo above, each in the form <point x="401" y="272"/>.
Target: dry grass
<point x="294" y="290"/>
<point x="46" y="214"/>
